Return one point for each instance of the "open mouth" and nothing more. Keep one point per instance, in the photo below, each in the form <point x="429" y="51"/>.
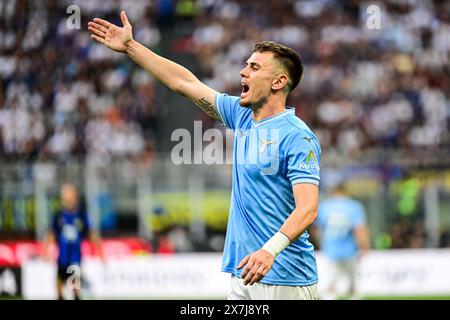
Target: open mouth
<point x="245" y="88"/>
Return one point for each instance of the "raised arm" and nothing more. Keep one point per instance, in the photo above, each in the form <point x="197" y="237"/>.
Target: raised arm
<point x="174" y="76"/>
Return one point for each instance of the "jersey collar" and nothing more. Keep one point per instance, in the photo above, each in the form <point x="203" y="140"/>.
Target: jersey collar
<point x="288" y="110"/>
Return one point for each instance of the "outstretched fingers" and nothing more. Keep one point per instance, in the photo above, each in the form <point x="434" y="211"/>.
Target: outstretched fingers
<point x="103" y="22"/>
<point x="97" y="26"/>
<point x="97" y="32"/>
<point x="98" y="39"/>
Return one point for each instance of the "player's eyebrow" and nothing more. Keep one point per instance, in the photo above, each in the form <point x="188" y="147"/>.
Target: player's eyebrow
<point x="253" y="64"/>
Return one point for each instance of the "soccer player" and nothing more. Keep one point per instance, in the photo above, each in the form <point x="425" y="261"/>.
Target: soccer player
<point x="69" y="228"/>
<point x="344" y="237"/>
<point x="276" y="165"/>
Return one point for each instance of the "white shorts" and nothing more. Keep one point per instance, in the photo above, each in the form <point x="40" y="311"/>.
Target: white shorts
<point x="343" y="275"/>
<point x="261" y="291"/>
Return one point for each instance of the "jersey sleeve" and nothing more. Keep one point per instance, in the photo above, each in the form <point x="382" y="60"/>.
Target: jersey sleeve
<point x="303" y="159"/>
<point x="228" y="108"/>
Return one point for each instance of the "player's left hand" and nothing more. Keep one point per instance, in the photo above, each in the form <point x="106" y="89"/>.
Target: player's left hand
<point x="257" y="264"/>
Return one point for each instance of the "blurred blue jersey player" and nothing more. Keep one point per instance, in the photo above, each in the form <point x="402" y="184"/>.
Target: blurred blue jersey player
<point x="343" y="238"/>
<point x="69" y="228"/>
<point x="276" y="170"/>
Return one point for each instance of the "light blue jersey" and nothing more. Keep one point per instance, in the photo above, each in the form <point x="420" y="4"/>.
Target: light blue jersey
<point x="270" y="156"/>
<point x="337" y="218"/>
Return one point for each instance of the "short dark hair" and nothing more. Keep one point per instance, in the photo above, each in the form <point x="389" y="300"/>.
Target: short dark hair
<point x="288" y="58"/>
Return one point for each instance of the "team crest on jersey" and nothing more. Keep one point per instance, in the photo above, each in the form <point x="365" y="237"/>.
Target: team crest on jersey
<point x="258" y="151"/>
<point x="264" y="143"/>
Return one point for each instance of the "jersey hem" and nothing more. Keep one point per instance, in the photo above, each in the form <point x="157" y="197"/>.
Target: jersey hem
<point x="278" y="282"/>
<point x="311" y="181"/>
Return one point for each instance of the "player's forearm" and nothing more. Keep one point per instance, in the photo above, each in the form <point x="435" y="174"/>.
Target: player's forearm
<point x="299" y="220"/>
<point x="362" y="238"/>
<point x="168" y="72"/>
<point x="293" y="227"/>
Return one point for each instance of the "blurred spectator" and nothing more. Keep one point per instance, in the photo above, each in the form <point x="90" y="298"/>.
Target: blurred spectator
<point x="61" y="95"/>
<point x="408" y="233"/>
<point x="367" y="88"/>
<point x="362" y="88"/>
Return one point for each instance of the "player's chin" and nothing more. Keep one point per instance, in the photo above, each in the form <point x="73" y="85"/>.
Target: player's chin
<point x="244" y="102"/>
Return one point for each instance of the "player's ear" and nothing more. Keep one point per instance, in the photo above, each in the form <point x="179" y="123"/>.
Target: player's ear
<point x="280" y="82"/>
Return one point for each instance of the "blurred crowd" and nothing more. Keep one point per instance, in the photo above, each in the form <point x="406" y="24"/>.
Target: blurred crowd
<point x="362" y="87"/>
<point x="62" y="95"/>
<point x="410" y="233"/>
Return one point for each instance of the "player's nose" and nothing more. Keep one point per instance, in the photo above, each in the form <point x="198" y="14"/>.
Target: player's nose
<point x="244" y="73"/>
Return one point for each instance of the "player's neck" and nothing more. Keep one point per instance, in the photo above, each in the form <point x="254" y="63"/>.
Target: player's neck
<point x="270" y="108"/>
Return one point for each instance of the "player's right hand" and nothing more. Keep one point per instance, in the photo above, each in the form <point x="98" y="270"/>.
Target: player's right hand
<point x="112" y="36"/>
<point x="257" y="265"/>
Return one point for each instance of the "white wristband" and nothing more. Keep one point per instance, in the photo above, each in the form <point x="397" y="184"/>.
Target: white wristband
<point x="277" y="243"/>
